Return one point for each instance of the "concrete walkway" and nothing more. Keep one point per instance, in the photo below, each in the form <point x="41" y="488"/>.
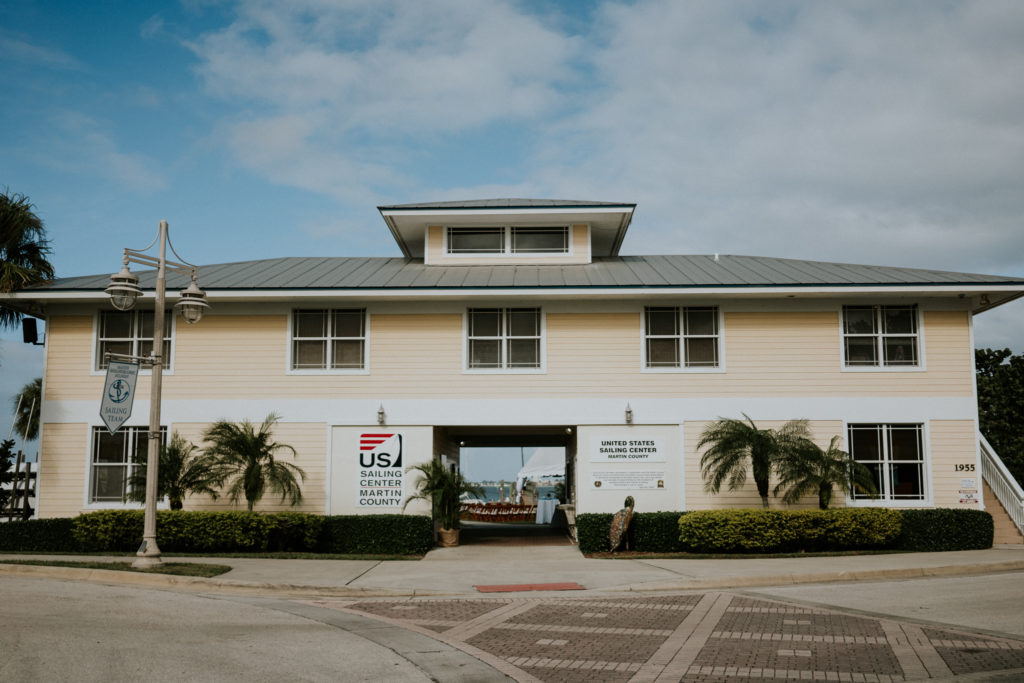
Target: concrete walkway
<point x="458" y="571"/>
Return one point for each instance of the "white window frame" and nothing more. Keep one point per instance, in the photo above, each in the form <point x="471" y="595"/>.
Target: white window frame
<point x="504" y="339"/>
<point x="885" y="497"/>
<point x="170" y="332"/>
<point x="682" y="337"/>
<point x="133" y="434"/>
<point x="879" y="337"/>
<point x="508" y="236"/>
<point x="328" y="370"/>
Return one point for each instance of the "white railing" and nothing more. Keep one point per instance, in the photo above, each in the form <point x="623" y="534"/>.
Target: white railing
<point x="1006" y="488"/>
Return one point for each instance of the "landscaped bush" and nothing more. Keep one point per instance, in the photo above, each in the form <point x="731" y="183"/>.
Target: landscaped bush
<point x="377" y="534"/>
<point x="229" y="531"/>
<point x="775" y="531"/>
<point x="652" y="532"/>
<point x="109" y="530"/>
<point x="180" y="531"/>
<point x="39" y="535"/>
<point x="655" y="532"/>
<point x="592" y="531"/>
<point x="294" y="532"/>
<point x="200" y="532"/>
<point x="945" y="529"/>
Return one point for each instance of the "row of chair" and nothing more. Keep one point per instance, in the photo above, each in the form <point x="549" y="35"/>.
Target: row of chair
<point x="498" y="512"/>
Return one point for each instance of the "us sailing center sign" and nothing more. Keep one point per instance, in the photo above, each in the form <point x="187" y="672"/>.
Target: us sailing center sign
<point x="118" y="394"/>
<point x="381" y="480"/>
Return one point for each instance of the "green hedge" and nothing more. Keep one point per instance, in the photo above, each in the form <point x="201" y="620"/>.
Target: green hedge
<point x="225" y="532"/>
<point x="652" y="532"/>
<point x="39" y="535"/>
<point x="377" y="534"/>
<point x="780" y="531"/>
<point x="945" y="529"/>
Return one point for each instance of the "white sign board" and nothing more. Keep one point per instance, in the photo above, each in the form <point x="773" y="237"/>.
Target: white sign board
<point x="632" y="450"/>
<point x="380" y="481"/>
<point x="118" y="394"/>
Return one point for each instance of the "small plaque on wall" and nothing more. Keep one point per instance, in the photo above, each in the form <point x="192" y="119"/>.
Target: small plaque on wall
<point x="628" y="480"/>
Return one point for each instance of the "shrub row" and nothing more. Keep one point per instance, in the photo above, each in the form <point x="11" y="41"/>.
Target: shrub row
<point x="945" y="529"/>
<point x="775" y="531"/>
<point x="653" y="532"/>
<point x="223" y="532"/>
<point x="719" y="531"/>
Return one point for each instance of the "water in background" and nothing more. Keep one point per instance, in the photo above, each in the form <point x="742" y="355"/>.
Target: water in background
<point x="491" y="492"/>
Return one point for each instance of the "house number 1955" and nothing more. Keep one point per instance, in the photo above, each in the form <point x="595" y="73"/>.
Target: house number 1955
<point x="963" y="468"/>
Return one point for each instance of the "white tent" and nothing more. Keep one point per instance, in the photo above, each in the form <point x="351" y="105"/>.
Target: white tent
<point x="546" y="461"/>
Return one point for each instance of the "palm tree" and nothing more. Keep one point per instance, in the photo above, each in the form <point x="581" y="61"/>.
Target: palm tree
<point x="443" y="486"/>
<point x="808" y="469"/>
<point x="732" y="443"/>
<point x="183" y="469"/>
<point x="23" y="251"/>
<point x="246" y="457"/>
<point x="27" y="403"/>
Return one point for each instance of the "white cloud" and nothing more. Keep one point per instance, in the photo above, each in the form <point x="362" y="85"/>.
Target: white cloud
<point x="23" y="51"/>
<point x="878" y="133"/>
<point x="822" y="131"/>
<point x="79" y="144"/>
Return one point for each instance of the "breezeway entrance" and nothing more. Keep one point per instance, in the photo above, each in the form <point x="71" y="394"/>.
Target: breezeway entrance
<point x="495" y="458"/>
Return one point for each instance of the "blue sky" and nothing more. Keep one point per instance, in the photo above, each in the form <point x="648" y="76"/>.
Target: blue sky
<point x="878" y="132"/>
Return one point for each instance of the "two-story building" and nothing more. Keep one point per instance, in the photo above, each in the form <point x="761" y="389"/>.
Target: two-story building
<point x="516" y="322"/>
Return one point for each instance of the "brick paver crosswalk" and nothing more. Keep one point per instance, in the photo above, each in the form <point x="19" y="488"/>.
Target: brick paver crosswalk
<point x="709" y="637"/>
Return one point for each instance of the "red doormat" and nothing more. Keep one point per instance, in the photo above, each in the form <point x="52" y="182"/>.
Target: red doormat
<point x="516" y="587"/>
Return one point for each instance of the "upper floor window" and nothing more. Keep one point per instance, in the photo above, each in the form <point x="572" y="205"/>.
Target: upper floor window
<point x="115" y="458"/>
<point x="504" y="338"/>
<point x="876" y="336"/>
<point x="681" y="336"/>
<point x="130" y="333"/>
<point x="509" y="240"/>
<point x="895" y="455"/>
<point x="332" y="339"/>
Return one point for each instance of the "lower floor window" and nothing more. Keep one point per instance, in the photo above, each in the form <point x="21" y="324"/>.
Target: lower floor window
<point x="894" y="453"/>
<point x="115" y="458"/>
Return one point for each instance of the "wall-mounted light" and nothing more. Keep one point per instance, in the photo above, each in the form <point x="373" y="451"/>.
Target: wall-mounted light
<point x="380" y="414"/>
<point x="984" y="300"/>
<point x="568" y="430"/>
<point x="629" y="414"/>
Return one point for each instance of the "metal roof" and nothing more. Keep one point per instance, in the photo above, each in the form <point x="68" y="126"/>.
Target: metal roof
<point x="620" y="272"/>
<point x="505" y="204"/>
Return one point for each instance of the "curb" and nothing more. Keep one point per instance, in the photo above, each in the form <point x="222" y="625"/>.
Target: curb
<point x="823" y="577"/>
<point x="113" y="577"/>
<point x="227" y="586"/>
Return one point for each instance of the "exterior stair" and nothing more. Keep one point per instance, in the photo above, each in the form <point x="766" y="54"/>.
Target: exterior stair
<point x="1003" y="496"/>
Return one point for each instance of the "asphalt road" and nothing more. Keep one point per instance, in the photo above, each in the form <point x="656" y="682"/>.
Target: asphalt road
<point x="69" y="631"/>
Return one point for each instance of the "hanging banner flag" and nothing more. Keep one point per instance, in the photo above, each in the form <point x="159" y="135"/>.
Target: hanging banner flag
<point x="118" y="394"/>
<point x="381" y="478"/>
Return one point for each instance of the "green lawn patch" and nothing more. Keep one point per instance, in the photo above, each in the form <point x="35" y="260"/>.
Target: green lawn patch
<point x="175" y="568"/>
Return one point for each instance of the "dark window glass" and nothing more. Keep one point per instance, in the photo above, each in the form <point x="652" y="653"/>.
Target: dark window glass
<point x="701" y="352"/>
<point x="860" y="319"/>
<point x="701" y="321"/>
<point x="540" y="240"/>
<point x="476" y="240"/>
<point x="524" y="353"/>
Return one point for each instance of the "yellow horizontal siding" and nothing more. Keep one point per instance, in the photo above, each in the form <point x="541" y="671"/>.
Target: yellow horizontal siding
<point x="953" y="442"/>
<point x="63" y="469"/>
<point x="310" y="443"/>
<point x="588" y="354"/>
<point x="697" y="498"/>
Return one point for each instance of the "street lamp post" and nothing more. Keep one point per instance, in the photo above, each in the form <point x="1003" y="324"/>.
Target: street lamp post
<point x="124" y="291"/>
